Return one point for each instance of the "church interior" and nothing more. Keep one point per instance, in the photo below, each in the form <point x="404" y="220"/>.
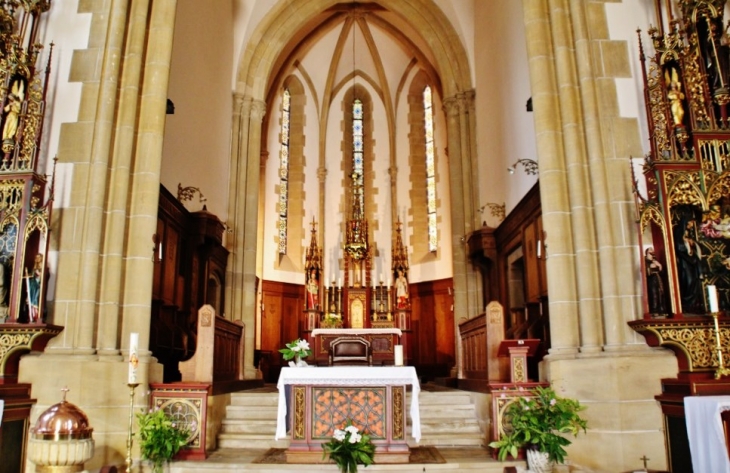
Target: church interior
<point x="488" y="197"/>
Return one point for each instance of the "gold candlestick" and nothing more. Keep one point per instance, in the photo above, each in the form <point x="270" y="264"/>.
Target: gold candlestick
<point x="128" y="462"/>
<point x="721" y="370"/>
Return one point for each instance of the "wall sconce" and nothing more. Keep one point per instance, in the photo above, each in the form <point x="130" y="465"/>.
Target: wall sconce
<point x="496" y="209"/>
<point x="530" y="166"/>
<point x="187" y="193"/>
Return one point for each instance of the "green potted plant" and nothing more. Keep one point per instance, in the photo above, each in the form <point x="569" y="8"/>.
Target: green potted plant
<point x="296" y="350"/>
<point x="160" y="438"/>
<point x="349" y="448"/>
<point x="539" y="424"/>
<point x="331" y="321"/>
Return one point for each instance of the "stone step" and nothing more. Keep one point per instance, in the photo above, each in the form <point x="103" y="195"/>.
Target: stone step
<point x="251" y="412"/>
<point x="448" y="440"/>
<point x="447" y="420"/>
<point x="255" y="399"/>
<point x="248" y="426"/>
<point x="239" y="441"/>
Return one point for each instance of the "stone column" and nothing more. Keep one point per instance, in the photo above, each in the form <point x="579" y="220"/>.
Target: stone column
<point x="243" y="209"/>
<point x="467" y="290"/>
<point x="146" y="175"/>
<point x="78" y="294"/>
<point x="116" y="213"/>
<point x="564" y="331"/>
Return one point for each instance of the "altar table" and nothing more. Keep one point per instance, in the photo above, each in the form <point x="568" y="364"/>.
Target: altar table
<point x="706" y="434"/>
<point x="323" y="398"/>
<point x="382" y="342"/>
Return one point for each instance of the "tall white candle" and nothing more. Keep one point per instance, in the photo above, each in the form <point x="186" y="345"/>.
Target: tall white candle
<point x="398" y="352"/>
<point x="712" y="299"/>
<point x="133" y="359"/>
<point x="339" y="282"/>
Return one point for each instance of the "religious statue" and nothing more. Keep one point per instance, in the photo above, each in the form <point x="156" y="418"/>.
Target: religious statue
<point x="3" y="294"/>
<point x="312" y="290"/>
<point x="654" y="283"/>
<point x="33" y="289"/>
<point x="688" y="254"/>
<point x="675" y="96"/>
<point x="12" y="114"/>
<point x="401" y="290"/>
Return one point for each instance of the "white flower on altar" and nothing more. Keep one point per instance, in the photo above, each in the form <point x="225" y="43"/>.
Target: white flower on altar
<point x="339" y="435"/>
<point x="303" y="345"/>
<point x="354" y="438"/>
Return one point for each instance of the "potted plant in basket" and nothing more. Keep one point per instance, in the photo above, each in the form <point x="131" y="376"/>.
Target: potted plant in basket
<point x="539" y="424"/>
<point x="159" y="437"/>
<point x="349" y="448"/>
<point x="296" y="350"/>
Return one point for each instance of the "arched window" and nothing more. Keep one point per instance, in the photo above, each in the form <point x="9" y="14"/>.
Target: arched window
<point x="358" y="149"/>
<point x="284" y="170"/>
<point x="430" y="170"/>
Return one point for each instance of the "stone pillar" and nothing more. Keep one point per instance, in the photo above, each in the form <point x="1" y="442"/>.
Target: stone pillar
<point x="460" y="125"/>
<point x="564" y="331"/>
<point x="146" y="175"/>
<point x="243" y="210"/>
<point x="116" y="213"/>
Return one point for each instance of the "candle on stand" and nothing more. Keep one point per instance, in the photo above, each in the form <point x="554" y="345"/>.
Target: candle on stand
<point x="398" y="353"/>
<point x="712" y="299"/>
<point x="133" y="358"/>
<point x="339" y="282"/>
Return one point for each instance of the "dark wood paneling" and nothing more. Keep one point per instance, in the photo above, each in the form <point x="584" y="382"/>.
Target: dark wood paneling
<point x="282" y="314"/>
<point x="433" y="327"/>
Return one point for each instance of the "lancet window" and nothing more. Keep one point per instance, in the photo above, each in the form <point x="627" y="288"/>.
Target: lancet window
<point x="430" y="169"/>
<point x="284" y="170"/>
<point x="357" y="149"/>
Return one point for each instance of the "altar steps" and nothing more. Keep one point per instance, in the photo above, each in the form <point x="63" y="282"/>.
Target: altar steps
<point x="448" y="418"/>
<point x="250" y="421"/>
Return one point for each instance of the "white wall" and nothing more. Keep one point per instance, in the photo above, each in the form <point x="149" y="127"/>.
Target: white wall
<point x="505" y="130"/>
<point x="196" y="148"/>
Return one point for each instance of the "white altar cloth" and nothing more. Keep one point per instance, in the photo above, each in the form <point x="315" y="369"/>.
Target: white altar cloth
<point x="357" y="331"/>
<point x="350" y="376"/>
<point x="705" y="433"/>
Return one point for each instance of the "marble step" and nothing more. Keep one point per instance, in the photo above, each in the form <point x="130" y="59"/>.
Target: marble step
<point x="255" y="399"/>
<point x="251" y="412"/>
<point x="248" y="426"/>
<point x="448" y="440"/>
<point x="239" y="441"/>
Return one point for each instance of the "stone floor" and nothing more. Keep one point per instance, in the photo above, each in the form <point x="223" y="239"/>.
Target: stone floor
<point x="457" y="460"/>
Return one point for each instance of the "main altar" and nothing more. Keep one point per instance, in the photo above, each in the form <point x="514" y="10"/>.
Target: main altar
<point x="354" y="303"/>
<point x="321" y="400"/>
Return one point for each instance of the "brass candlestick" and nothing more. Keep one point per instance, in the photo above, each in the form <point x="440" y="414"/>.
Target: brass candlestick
<point x="721" y="370"/>
<point x="128" y="462"/>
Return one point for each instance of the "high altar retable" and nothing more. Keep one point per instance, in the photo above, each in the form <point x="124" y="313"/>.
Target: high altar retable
<point x="324" y="398"/>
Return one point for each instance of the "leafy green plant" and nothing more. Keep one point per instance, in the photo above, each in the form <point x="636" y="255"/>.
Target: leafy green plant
<point x="159" y="437"/>
<point x="540" y="422"/>
<point x="349" y="448"/>
<point x="294" y="348"/>
<point x="331" y="321"/>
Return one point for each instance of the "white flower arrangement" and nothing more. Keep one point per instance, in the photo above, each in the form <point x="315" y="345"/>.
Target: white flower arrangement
<point x="349" y="448"/>
<point x="297" y="348"/>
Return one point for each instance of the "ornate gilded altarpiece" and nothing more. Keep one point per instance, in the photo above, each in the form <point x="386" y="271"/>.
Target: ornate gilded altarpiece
<point x="25" y="202"/>
<point x="684" y="212"/>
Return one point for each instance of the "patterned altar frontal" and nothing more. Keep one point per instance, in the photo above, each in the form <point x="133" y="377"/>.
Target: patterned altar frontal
<point x="365" y="407"/>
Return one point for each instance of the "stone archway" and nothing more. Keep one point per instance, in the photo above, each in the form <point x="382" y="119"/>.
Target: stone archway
<point x="274" y="32"/>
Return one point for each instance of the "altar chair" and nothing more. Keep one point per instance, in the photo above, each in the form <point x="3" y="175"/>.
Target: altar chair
<point x="350" y="351"/>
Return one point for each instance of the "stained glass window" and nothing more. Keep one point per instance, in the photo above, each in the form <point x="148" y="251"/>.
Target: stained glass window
<point x="284" y="170"/>
<point x="430" y="170"/>
<point x="357" y="147"/>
